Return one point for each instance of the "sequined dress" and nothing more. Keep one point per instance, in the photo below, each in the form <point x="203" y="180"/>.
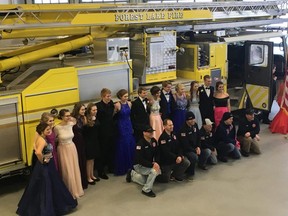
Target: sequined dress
<point x="125" y="142"/>
<point x="46" y="194"/>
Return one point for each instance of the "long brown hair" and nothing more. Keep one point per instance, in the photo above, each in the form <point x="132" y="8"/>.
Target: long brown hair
<point x="90" y="121"/>
<point x="192" y="84"/>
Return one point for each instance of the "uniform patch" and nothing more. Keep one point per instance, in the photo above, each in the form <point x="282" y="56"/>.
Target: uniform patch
<point x="138" y="147"/>
<point x="183" y="134"/>
<point x="163" y="142"/>
<point x="253" y="125"/>
<point x="153" y="144"/>
<point x="202" y="138"/>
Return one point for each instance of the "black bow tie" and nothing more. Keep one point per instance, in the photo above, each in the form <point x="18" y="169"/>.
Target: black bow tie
<point x="166" y="93"/>
<point x="207" y="88"/>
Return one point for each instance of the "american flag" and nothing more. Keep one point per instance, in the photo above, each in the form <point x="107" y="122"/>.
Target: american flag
<point x="284" y="102"/>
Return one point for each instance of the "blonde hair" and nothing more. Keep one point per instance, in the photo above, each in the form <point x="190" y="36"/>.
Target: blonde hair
<point x="45" y="117"/>
<point x="179" y="86"/>
<point x="105" y="91"/>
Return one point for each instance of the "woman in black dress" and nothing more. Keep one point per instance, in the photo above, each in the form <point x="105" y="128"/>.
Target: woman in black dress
<point x="91" y="131"/>
<point x="79" y="114"/>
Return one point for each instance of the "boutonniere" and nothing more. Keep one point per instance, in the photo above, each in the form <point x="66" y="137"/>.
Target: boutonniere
<point x="201" y="90"/>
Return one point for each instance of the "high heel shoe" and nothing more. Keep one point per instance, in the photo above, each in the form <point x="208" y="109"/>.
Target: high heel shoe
<point x="92" y="183"/>
<point x="96" y="179"/>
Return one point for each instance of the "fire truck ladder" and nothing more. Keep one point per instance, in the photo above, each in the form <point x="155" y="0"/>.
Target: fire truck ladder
<point x="53" y="16"/>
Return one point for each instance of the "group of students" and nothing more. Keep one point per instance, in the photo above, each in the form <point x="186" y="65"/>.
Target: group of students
<point x="101" y="137"/>
<point x="66" y="155"/>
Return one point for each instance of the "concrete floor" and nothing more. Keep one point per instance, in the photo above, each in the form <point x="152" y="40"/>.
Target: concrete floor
<point x="252" y="186"/>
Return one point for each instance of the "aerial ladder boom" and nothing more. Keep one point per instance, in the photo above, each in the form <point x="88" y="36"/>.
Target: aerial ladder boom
<point x="102" y="20"/>
<point x="33" y="56"/>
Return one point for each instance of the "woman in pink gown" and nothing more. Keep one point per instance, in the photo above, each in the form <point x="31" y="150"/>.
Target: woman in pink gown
<point x="155" y="117"/>
<point x="221" y="102"/>
<point x="67" y="154"/>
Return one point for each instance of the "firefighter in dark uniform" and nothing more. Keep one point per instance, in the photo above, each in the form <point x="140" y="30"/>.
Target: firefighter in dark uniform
<point x="173" y="163"/>
<point x="146" y="167"/>
<point x="247" y="134"/>
<point x="189" y="139"/>
<point x="207" y="140"/>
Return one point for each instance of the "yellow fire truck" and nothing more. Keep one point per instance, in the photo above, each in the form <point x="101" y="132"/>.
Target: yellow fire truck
<point x="53" y="56"/>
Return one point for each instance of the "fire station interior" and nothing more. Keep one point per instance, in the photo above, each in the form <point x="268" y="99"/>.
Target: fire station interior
<point x="41" y="42"/>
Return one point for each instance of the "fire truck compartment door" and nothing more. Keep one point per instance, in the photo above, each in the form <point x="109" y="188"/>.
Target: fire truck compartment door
<point x="258" y="73"/>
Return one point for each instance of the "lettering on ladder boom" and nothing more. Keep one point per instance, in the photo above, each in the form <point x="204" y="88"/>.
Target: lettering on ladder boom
<point x="128" y="17"/>
<point x="175" y="15"/>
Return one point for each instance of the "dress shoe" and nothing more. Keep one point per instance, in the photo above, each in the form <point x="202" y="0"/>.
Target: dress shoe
<point x="91" y="183"/>
<point x="190" y="177"/>
<point x="203" y="167"/>
<point x="96" y="179"/>
<point x="244" y="153"/>
<point x="128" y="176"/>
<point x="104" y="176"/>
<point x="172" y="178"/>
<point x="223" y="159"/>
<point x="149" y="194"/>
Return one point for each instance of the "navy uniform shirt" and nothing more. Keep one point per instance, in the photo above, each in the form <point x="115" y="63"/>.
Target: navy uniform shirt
<point x="225" y="134"/>
<point x="206" y="139"/>
<point x="169" y="149"/>
<point x="248" y="126"/>
<point x="146" y="152"/>
<point x="189" y="138"/>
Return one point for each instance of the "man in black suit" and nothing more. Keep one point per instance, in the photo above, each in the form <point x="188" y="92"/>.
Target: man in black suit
<point x="106" y="135"/>
<point x="206" y="104"/>
<point x="140" y="113"/>
<point x="167" y="102"/>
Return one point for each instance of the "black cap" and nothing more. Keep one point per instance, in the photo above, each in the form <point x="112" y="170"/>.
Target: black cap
<point x="226" y="116"/>
<point x="249" y="111"/>
<point x="147" y="128"/>
<point x="190" y="115"/>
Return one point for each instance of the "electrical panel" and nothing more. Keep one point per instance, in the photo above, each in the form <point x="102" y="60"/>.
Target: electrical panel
<point x="112" y="49"/>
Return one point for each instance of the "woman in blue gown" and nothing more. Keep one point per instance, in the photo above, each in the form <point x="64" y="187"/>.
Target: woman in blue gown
<point x="179" y="114"/>
<point x="125" y="145"/>
<point x="46" y="194"/>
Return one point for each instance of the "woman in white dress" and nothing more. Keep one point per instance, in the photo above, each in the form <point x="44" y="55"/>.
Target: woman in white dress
<point x="67" y="154"/>
<point x="194" y="102"/>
